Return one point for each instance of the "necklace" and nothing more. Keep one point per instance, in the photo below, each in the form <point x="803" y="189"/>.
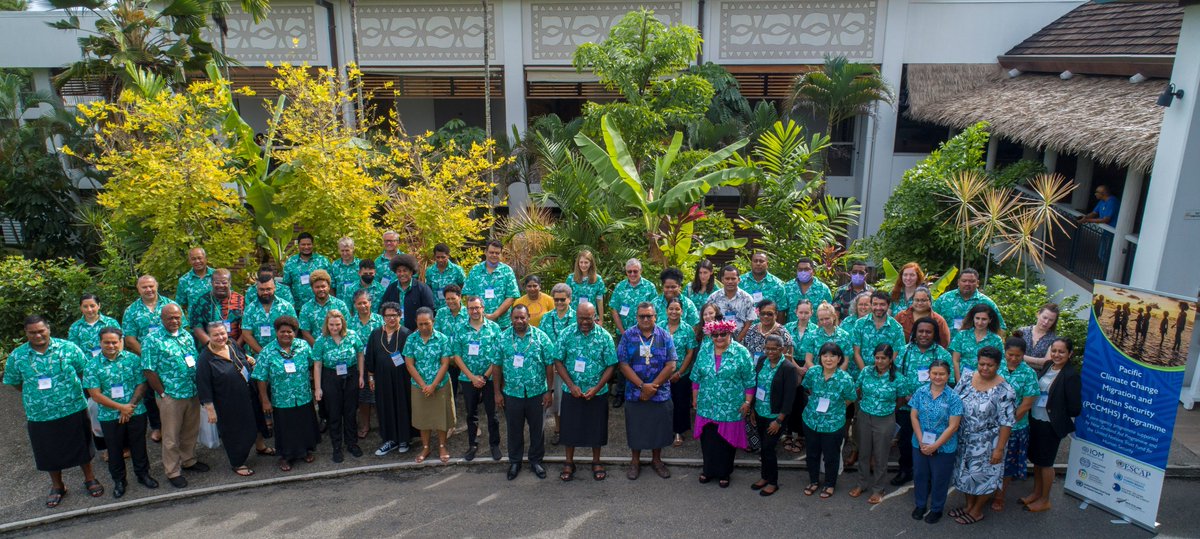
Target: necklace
<point x="383" y="342"/>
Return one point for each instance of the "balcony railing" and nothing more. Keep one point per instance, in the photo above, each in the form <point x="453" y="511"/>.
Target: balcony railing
<point x="1082" y="249"/>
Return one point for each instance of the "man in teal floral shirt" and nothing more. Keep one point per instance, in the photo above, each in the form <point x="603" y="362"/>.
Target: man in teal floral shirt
<point x="523" y="375"/>
<point x="299" y="267"/>
<point x="443" y="273"/>
<point x="759" y="283"/>
<point x="954" y="304"/>
<point x="804" y="286"/>
<point x="476" y="346"/>
<point x="344" y="271"/>
<point x="261" y="314"/>
<point x="115" y="381"/>
<point x="383" y="262"/>
<point x="169" y="365"/>
<point x="196" y="282"/>
<point x="495" y="282"/>
<point x="628" y="294"/>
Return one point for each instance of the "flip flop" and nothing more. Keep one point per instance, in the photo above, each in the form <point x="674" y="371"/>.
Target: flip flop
<point x="55" y="497"/>
<point x="967" y="519"/>
<point x="856" y="492"/>
<point x="811" y="489"/>
<point x="284" y="465"/>
<point x="875" y="499"/>
<point x="243" y="471"/>
<point x="955" y="513"/>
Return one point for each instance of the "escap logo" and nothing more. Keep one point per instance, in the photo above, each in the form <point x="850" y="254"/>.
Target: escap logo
<point x="1133" y="469"/>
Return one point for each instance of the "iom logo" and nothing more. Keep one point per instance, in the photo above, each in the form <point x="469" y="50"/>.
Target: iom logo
<point x="1093" y="452"/>
<point x="1133" y="468"/>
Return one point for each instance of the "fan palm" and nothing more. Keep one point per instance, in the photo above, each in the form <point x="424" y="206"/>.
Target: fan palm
<point x="840" y="90"/>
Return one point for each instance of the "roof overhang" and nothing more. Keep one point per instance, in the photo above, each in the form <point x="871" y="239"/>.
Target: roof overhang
<point x="1150" y="66"/>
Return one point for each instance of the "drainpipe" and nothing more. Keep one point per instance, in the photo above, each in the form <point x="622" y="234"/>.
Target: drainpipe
<point x="333" y="48"/>
<point x="700" y="28"/>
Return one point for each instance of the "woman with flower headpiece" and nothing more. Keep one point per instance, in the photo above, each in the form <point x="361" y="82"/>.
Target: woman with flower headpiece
<point x="723" y="383"/>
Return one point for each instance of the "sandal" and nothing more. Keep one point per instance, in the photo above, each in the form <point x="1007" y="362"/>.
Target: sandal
<point x="759" y="485"/>
<point x="724" y="483"/>
<point x="955" y="513"/>
<point x="94" y="488"/>
<point x="598" y="472"/>
<point x="811" y="489"/>
<point x="768" y="490"/>
<point x="443" y="454"/>
<point x="967" y="519"/>
<point x="424" y="454"/>
<point x="827" y="493"/>
<point x="309" y="458"/>
<point x="856" y="492"/>
<point x="875" y="499"/>
<point x="243" y="471"/>
<point x="55" y="497"/>
<point x="568" y="472"/>
<point x="704" y="479"/>
<point x="284" y="465"/>
<point x="268" y="451"/>
<point x="678" y="441"/>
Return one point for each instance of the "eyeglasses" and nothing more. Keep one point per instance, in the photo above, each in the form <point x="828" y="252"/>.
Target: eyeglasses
<point x="631" y="272"/>
<point x="393" y="315"/>
<point x="645" y="316"/>
<point x="858" y="272"/>
<point x="715" y="335"/>
<point x="557" y="300"/>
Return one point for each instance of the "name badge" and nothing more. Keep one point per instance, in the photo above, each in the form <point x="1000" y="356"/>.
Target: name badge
<point x="117" y="391"/>
<point x="1042" y="400"/>
<point x="228" y="326"/>
<point x="928" y="438"/>
<point x="757" y="296"/>
<point x="489" y="293"/>
<point x="967" y="372"/>
<point x="440" y="292"/>
<point x="44" y="382"/>
<point x="624" y="310"/>
<point x="95" y="351"/>
<point x="473" y="349"/>
<point x="348" y="286"/>
<point x="644" y="350"/>
<point x="245" y="373"/>
<point x="189" y="361"/>
<point x="385" y="282"/>
<point x="152" y="328"/>
<point x="957" y="324"/>
<point x="264" y="331"/>
<point x="730" y="316"/>
<point x="822" y="405"/>
<point x="583" y="299"/>
<point x="289" y="366"/>
<point x="341" y="369"/>
<point x="760" y="394"/>
<point x="397" y="359"/>
<point x="518" y="360"/>
<point x="304" y="279"/>
<point x="580" y="365"/>
<point x="923" y="374"/>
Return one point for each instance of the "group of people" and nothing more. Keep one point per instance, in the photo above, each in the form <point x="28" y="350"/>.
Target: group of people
<point x="735" y="359"/>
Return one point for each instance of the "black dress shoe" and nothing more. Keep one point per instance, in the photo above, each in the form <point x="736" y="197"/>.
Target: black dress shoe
<point x="513" y="470"/>
<point x="355" y="451"/>
<point x="118" y="488"/>
<point x="902" y="478"/>
<point x="918" y="513"/>
<point x="197" y="467"/>
<point x="470" y="454"/>
<point x="147" y="481"/>
<point x="933" y="517"/>
<point x="538" y="470"/>
<point x="337" y="456"/>
<point x="495" y="452"/>
<point x="178" y="481"/>
<point x="618" y="401"/>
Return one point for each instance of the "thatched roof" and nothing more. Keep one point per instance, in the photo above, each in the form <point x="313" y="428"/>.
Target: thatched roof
<point x="1108" y="119"/>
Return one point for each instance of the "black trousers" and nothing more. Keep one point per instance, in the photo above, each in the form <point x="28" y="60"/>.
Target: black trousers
<point x="681" y="400"/>
<point x="827" y="447"/>
<point x="473" y="397"/>
<point x="904" y="441"/>
<point x="340" y="396"/>
<point x="121" y="436"/>
<point x="718" y="453"/>
<point x="519" y="413"/>
<point x="767" y="455"/>
<point x="152" y="411"/>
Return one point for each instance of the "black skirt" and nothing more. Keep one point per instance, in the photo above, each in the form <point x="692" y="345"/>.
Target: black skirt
<point x="296" y="431"/>
<point x="584" y="422"/>
<point x="61" y="443"/>
<point x="1043" y="443"/>
<point x="648" y="424"/>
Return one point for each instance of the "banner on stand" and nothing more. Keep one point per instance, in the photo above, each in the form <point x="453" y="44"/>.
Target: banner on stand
<point x="1133" y="370"/>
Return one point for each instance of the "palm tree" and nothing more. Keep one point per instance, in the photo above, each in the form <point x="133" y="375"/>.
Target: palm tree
<point x="839" y="91"/>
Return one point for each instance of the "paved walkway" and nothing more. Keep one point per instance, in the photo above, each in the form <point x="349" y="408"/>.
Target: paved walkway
<point x="23" y="489"/>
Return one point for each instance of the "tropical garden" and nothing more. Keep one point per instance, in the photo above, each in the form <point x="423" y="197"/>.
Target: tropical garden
<point x="178" y="166"/>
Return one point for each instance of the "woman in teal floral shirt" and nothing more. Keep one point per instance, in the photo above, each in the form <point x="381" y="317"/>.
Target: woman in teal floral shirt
<point x="428" y="356"/>
<point x="880" y="387"/>
<point x="586" y="284"/>
<point x="831" y="390"/>
<point x="284" y="370"/>
<point x="685" y="354"/>
<point x="338" y="380"/>
<point x="965" y="345"/>
<point x="723" y="381"/>
<point x="85" y="332"/>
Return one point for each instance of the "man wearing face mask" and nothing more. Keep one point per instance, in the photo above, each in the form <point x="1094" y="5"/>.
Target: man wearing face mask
<point x="805" y="286"/>
<point x="367" y="280"/>
<point x="843" y="299"/>
<point x="259" y="319"/>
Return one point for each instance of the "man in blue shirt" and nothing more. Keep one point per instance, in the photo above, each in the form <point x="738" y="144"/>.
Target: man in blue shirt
<point x="1105" y="213"/>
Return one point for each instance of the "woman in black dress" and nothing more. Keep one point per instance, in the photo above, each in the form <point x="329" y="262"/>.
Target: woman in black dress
<point x="388" y="377"/>
<point x="229" y="398"/>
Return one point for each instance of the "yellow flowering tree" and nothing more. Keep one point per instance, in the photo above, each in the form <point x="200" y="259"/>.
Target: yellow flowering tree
<point x="169" y="173"/>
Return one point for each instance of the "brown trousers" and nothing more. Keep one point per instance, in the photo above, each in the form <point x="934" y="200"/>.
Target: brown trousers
<point x="180" y="427"/>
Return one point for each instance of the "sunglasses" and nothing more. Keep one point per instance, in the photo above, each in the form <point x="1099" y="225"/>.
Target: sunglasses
<point x="715" y="335"/>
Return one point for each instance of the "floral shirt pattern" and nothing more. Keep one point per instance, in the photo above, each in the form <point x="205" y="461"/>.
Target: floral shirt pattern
<point x="281" y="292"/>
<point x="345" y="278"/>
<point x="383" y="269"/>
<point x="173" y="358"/>
<point x="330" y="354"/>
<point x="523" y="361"/>
<point x="626" y="297"/>
<point x="1036" y="349"/>
<point x="762" y="391"/>
<point x="190" y="287"/>
<point x="698" y="298"/>
<point x="426" y="356"/>
<point x="934" y="415"/>
<point x="449" y="323"/>
<point x="647" y="363"/>
<point x="722" y="391"/>
<point x="1024" y="382"/>
<point x="364" y="330"/>
<point x="288" y="389"/>
<point x="555" y="326"/>
<point x="374" y="291"/>
<point x="867" y="336"/>
<point x="439" y="279"/>
<point x="261" y="323"/>
<point x="793" y="330"/>
<point x="684" y="339"/>
<point x="953" y="307"/>
<point x="500" y="284"/>
<point x="139" y="321"/>
<point x="739" y="309"/>
<point x="815" y="338"/>
<point x="770" y="287"/>
<point x="878" y="392"/>
<point x="756" y="342"/>
<point x="483" y="342"/>
<point x="206" y="309"/>
<point x="125" y="371"/>
<point x="915" y="364"/>
<point x="792" y="294"/>
<point x="585" y="291"/>
<point x="295" y="276"/>
<point x="984" y="413"/>
<point x="87" y="336"/>
<point x="50" y="381"/>
<point x="843" y="298"/>
<point x="968" y="348"/>
<point x="826" y="409"/>
<point x="691" y="315"/>
<point x="585" y="356"/>
<point x="312" y="314"/>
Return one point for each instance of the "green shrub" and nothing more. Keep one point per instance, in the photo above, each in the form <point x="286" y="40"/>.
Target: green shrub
<point x="1019" y="305"/>
<point x="1016" y="173"/>
<point x="50" y="288"/>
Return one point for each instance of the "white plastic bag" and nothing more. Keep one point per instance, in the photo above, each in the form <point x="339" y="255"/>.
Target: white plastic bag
<point x="209" y="437"/>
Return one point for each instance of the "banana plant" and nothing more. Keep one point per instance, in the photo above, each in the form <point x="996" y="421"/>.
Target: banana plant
<point x="665" y="213"/>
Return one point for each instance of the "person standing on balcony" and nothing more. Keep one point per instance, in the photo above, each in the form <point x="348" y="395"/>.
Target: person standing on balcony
<point x="1104" y="213"/>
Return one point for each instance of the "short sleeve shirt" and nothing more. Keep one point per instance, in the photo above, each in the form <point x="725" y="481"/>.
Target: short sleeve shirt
<point x="647" y="358"/>
<point x="953" y="307"/>
<point x="345" y="278"/>
<point x="261" y="323"/>
<point x="383" y="269"/>
<point x="1024" y="382"/>
<point x="290" y="386"/>
<point x="739" y="309"/>
<point x="173" y="358"/>
<point x="880" y="391"/>
<point x="867" y="336"/>
<point x="330" y="353"/>
<point x="934" y="415"/>
<point x="523" y="360"/>
<point x="554" y="326"/>
<point x="816" y="337"/>
<point x="691" y="315"/>
<point x="586" y="356"/>
<point x="843" y="298"/>
<point x="816" y="293"/>
<point x="450" y="323"/>
<point x="1108" y="209"/>
<point x="585" y="291"/>
<point x="312" y="315"/>
<point x="478" y="348"/>
<point x="698" y="298"/>
<point x="915" y="364"/>
<point x="968" y="348"/>
<point x="87" y="336"/>
<point x="684" y="338"/>
<point x="770" y="287"/>
<point x="107" y="375"/>
<point x="722" y="390"/>
<point x="207" y="308"/>
<point x="140" y="321"/>
<point x="793" y="329"/>
<point x="756" y="342"/>
<point x="439" y="279"/>
<point x="355" y="324"/>
<point x="493" y="286"/>
<point x="626" y="298"/>
<point x="281" y="292"/>
<point x="426" y="355"/>
<point x="544" y="304"/>
<point x="826" y="409"/>
<point x="190" y="287"/>
<point x="296" y="272"/>
<point x="762" y="391"/>
<point x="374" y="291"/>
<point x="50" y="381"/>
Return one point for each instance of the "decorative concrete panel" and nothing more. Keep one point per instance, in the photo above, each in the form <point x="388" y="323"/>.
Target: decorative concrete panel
<point x="288" y="34"/>
<point x="797" y="29"/>
<point x="424" y="33"/>
<point x="555" y="30"/>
